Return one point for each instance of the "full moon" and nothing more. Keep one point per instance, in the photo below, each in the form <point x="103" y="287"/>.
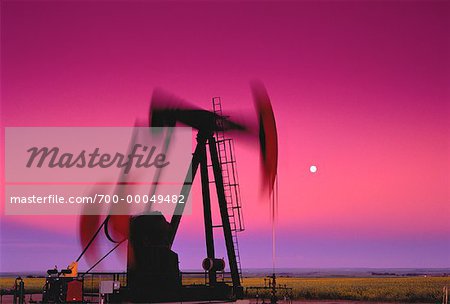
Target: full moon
<point x="313" y="169"/>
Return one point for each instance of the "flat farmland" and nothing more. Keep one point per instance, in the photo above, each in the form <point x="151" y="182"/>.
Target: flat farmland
<point x="390" y="289"/>
<point x="307" y="290"/>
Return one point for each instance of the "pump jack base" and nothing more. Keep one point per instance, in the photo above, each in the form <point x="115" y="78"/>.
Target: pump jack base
<point x="188" y="293"/>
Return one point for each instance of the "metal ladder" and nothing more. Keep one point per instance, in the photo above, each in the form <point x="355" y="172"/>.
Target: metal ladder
<point x="227" y="160"/>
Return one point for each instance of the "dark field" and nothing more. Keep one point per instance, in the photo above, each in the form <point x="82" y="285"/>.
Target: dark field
<point x="371" y="289"/>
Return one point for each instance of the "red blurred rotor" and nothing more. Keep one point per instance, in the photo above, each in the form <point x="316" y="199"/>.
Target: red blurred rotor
<point x="117" y="228"/>
<point x="267" y="135"/>
<point x="87" y="228"/>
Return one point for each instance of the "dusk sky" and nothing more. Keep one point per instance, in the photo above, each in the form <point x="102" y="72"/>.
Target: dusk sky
<point x="359" y="89"/>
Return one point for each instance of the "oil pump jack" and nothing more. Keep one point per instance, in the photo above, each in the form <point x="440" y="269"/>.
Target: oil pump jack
<point x="152" y="266"/>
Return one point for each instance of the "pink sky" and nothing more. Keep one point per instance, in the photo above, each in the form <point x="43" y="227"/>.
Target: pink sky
<point x="361" y="90"/>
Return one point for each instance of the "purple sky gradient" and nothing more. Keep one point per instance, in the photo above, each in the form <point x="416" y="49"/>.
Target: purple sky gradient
<point x="359" y="89"/>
